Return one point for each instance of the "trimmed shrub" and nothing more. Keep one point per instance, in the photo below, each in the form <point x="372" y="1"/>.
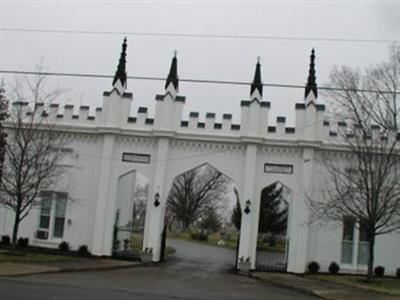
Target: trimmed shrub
<point x="199" y="235"/>
<point x="83" y="250"/>
<point x="398" y="272"/>
<point x="127" y="244"/>
<point x="63" y="246"/>
<point x="313" y="267"/>
<point x="22" y="242"/>
<point x="334" y="268"/>
<point x="379" y="271"/>
<point x="5" y="240"/>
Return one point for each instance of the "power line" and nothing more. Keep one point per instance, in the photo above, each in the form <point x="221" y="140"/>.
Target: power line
<point x="200" y="81"/>
<point x="205" y="36"/>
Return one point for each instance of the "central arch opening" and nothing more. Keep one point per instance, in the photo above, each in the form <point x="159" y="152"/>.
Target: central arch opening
<point x="201" y="219"/>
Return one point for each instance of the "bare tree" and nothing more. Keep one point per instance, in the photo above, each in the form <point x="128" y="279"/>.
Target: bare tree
<point x="3" y="116"/>
<point x="385" y="111"/>
<point x="139" y="206"/>
<point x="195" y="193"/>
<point x="32" y="150"/>
<point x="381" y="106"/>
<point x="236" y="217"/>
<point x="365" y="188"/>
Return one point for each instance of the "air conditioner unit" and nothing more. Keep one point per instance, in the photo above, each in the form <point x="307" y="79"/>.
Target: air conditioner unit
<point x="42" y="234"/>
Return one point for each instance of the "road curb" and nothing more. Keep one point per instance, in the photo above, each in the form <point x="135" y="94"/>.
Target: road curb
<point x="70" y="270"/>
<point x="329" y="293"/>
<point x="103" y="268"/>
<point x="281" y="284"/>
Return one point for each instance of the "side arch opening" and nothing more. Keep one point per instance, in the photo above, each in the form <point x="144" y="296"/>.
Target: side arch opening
<point x="272" y="240"/>
<point x="130" y="213"/>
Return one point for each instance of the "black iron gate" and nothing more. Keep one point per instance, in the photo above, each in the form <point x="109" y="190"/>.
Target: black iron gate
<point x="272" y="242"/>
<point x="272" y="254"/>
<point x="127" y="240"/>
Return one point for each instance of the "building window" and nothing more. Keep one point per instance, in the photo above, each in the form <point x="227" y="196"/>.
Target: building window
<point x="354" y="242"/>
<point x="363" y="245"/>
<point x="52" y="215"/>
<point x="347" y="241"/>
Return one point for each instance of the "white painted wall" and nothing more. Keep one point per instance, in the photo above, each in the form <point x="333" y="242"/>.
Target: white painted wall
<point x="80" y="181"/>
<point x="240" y="153"/>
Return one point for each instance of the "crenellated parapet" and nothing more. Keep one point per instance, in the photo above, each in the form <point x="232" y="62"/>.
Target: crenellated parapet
<point x="255" y="124"/>
<point x="337" y="132"/>
<point x="57" y="114"/>
<point x="210" y="125"/>
<point x="317" y="128"/>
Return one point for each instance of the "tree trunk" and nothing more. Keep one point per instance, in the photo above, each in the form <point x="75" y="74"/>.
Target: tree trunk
<point x="15" y="232"/>
<point x="185" y="227"/>
<point x="371" y="246"/>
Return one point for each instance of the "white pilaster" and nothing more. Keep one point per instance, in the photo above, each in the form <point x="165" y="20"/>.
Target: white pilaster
<point x="254" y="117"/>
<point x="111" y="208"/>
<point x="168" y="112"/>
<point x="310" y="121"/>
<point x="154" y="228"/>
<point x="101" y="212"/>
<point x="116" y="108"/>
<point x="248" y="245"/>
<point x="298" y="242"/>
<point x="356" y="238"/>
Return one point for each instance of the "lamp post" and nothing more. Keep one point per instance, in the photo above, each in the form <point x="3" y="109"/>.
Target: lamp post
<point x="247" y="209"/>
<point x="156" y="199"/>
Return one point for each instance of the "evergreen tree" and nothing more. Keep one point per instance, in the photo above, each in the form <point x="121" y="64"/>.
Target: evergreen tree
<point x="273" y="210"/>
<point x="211" y="221"/>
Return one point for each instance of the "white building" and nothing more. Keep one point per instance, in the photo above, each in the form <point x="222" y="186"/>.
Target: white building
<point x="108" y="148"/>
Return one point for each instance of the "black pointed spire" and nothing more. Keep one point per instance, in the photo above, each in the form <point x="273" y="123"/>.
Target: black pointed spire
<point x="257" y="84"/>
<point x="173" y="73"/>
<point x="311" y="80"/>
<point x="120" y="74"/>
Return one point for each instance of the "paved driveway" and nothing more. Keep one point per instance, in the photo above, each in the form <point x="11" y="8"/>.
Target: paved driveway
<point x="199" y="272"/>
<point x="199" y="256"/>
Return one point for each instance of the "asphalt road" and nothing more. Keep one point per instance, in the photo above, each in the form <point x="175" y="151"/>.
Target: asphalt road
<point x="189" y="275"/>
<point x="199" y="256"/>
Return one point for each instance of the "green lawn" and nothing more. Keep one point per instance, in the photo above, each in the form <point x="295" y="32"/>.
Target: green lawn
<point x="212" y="239"/>
<point x="22" y="257"/>
<point x="231" y="243"/>
<point x="136" y="245"/>
<point x="384" y="285"/>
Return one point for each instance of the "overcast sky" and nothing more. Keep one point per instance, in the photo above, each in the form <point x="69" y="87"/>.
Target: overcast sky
<point x="283" y="61"/>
